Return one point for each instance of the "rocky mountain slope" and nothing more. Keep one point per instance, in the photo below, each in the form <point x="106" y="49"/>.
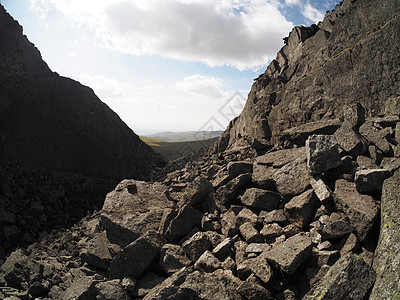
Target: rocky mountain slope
<point x="307" y="213"/>
<point x="55" y="123"/>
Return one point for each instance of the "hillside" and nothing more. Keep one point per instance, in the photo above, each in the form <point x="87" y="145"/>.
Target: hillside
<point x="186" y="136"/>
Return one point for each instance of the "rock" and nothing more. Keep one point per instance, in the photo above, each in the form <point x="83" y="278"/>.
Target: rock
<point x="370" y="180"/>
<point x="249" y="233"/>
<point x="172" y="258"/>
<point x="135" y="258"/>
<point x="271" y="230"/>
<point x="246" y="215"/>
<point x="290" y="254"/>
<point x="240" y="251"/>
<point x="146" y="283"/>
<point x="261" y="199"/>
<point x="207" y="262"/>
<point x="397" y="136"/>
<point x="128" y="283"/>
<point x="349" y="140"/>
<point x="293" y="178"/>
<point x="361" y="209"/>
<point x="375" y="154"/>
<point x="275" y="216"/>
<point x="37" y="290"/>
<point x="228" y="224"/>
<point x="96" y="253"/>
<point x="349" y="278"/>
<point x="186" y="218"/>
<point x="335" y="229"/>
<point x="348" y="244"/>
<point x="14" y="269"/>
<point x="236" y="168"/>
<point x="375" y="136"/>
<point x="253" y="291"/>
<point x="196" y="246"/>
<point x="300" y="210"/>
<point x="229" y="192"/>
<point x="386" y="262"/>
<point x="354" y="114"/>
<point x="223" y="249"/>
<point x="322" y="153"/>
<point x="366" y="163"/>
<point x="257" y="247"/>
<point x="111" y="290"/>
<point x="262" y="175"/>
<point x="260" y="268"/>
<point x="125" y="216"/>
<point x="321" y="190"/>
<point x="82" y="289"/>
<point x="197" y="191"/>
<point x="291" y="230"/>
<point x="319" y="258"/>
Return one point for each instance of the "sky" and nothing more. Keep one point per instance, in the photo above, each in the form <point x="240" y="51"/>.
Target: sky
<point x="164" y="65"/>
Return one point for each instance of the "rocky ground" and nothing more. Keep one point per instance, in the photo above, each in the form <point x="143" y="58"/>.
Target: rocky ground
<point x="257" y="222"/>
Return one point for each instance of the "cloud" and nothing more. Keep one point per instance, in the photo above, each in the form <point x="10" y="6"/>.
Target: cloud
<point x="312" y="14"/>
<point x="240" y="33"/>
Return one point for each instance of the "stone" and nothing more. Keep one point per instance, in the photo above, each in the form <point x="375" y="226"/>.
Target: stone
<point x="236" y="168"/>
<point x="111" y="290"/>
<point x="275" y="216"/>
<point x="228" y="224"/>
<point x="147" y="282"/>
<point x="196" y="246"/>
<point x="319" y="258"/>
<point x="361" y="210"/>
<point x="349" y="140"/>
<point x="126" y="216"/>
<point x="229" y="264"/>
<point x="37" y="290"/>
<point x="391" y="164"/>
<point x="354" y="114"/>
<point x="246" y="215"/>
<point x="249" y="233"/>
<point x="128" y="283"/>
<point x="335" y="229"/>
<point x="375" y="154"/>
<point x="229" y="192"/>
<point x="253" y="291"/>
<point x="257" y="247"/>
<point x="322" y="153"/>
<point x="223" y="249"/>
<point x="261" y="199"/>
<point x="397" y="134"/>
<point x="197" y="191"/>
<point x="240" y="251"/>
<point x="271" y="230"/>
<point x="291" y="230"/>
<point x="348" y="244"/>
<point x="321" y="190"/>
<point x="370" y="180"/>
<point x="300" y="209"/>
<point x="387" y="259"/>
<point x="14" y="269"/>
<point x="207" y="262"/>
<point x="135" y="258"/>
<point x="96" y="253"/>
<point x="82" y="289"/>
<point x="375" y="136"/>
<point x="349" y="278"/>
<point x="293" y="178"/>
<point x="260" y="268"/>
<point x="262" y="175"/>
<point x="172" y="258"/>
<point x="186" y="218"/>
<point x="290" y="254"/>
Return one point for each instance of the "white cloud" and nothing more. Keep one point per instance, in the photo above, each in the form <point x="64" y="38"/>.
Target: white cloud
<point x="312" y="14"/>
<point x="241" y="33"/>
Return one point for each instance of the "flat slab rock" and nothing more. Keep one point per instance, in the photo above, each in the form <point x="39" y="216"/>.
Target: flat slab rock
<point x="132" y="209"/>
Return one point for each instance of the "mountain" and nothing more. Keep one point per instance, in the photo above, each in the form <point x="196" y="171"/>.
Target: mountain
<point x="349" y="58"/>
<point x="50" y="122"/>
<point x="185" y="136"/>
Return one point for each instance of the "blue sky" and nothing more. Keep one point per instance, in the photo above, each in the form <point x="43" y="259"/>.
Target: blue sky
<point x="164" y="65"/>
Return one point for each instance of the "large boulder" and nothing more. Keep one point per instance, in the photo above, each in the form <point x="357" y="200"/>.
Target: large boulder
<point x="300" y="210"/>
<point x="261" y="199"/>
<point x="96" y="253"/>
<point x="322" y="153"/>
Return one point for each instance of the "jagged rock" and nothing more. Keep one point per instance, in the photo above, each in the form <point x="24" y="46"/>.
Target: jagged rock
<point x="207" y="262"/>
<point x="360" y="209"/>
<point x="223" y="249"/>
<point x="196" y="246"/>
<point x="246" y="215"/>
<point x="240" y="251"/>
<point x="128" y="283"/>
<point x="37" y="290"/>
<point x="335" y="229"/>
<point x="293" y="178"/>
<point x="146" y="283"/>
<point x="275" y="216"/>
<point x="210" y="222"/>
<point x="261" y="199"/>
<point x="82" y="289"/>
<point x="397" y="136"/>
<point x="9" y="293"/>
<point x="386" y="262"/>
<point x="271" y="230"/>
<point x="290" y="254"/>
<point x="249" y="233"/>
<point x="353" y="114"/>
<point x="197" y="191"/>
<point x="321" y="190"/>
<point x="262" y="175"/>
<point x="260" y="268"/>
<point x="291" y="230"/>
<point x="348" y="244"/>
<point x="349" y="140"/>
<point x="172" y="258"/>
<point x="300" y="209"/>
<point x="375" y="136"/>
<point x="376" y="154"/>
<point x="126" y="215"/>
<point x="319" y="258"/>
<point x="232" y="189"/>
<point x="322" y="153"/>
<point x="186" y="218"/>
<point x="370" y="180"/>
<point x="14" y="269"/>
<point x="97" y="253"/>
<point x="111" y="290"/>
<point x="366" y="163"/>
<point x="236" y="168"/>
<point x="257" y="247"/>
<point x="349" y="278"/>
<point x="253" y="291"/>
<point x="391" y="164"/>
<point x="135" y="258"/>
<point x="228" y="224"/>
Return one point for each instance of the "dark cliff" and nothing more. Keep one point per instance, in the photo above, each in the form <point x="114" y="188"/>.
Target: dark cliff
<point x="54" y="123"/>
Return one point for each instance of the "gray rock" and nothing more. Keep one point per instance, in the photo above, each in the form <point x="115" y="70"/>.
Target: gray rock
<point x="322" y="153"/>
<point x="196" y="246"/>
<point x="135" y="258"/>
<point x="386" y="262"/>
<point x="197" y="191"/>
<point x="300" y="210"/>
<point x="253" y="291"/>
<point x="319" y="258"/>
<point x="360" y="209"/>
<point x="271" y="230"/>
<point x="257" y="247"/>
<point x="278" y="159"/>
<point x="111" y="290"/>
<point x="249" y="233"/>
<point x="375" y="136"/>
<point x="14" y="269"/>
<point x="349" y="140"/>
<point x="354" y="114"/>
<point x="291" y="230"/>
<point x="261" y="199"/>
<point x="207" y="262"/>
<point x="262" y="175"/>
<point x="246" y="215"/>
<point x="275" y="216"/>
<point x="370" y="180"/>
<point x="321" y="190"/>
<point x="335" y="229"/>
<point x="229" y="192"/>
<point x="96" y="253"/>
<point x="236" y="168"/>
<point x="172" y="258"/>
<point x="126" y="216"/>
<point x="348" y="244"/>
<point x="293" y="178"/>
<point x="364" y="162"/>
<point x="290" y="254"/>
<point x="146" y="283"/>
<point x="228" y="224"/>
<point x="128" y="283"/>
<point x="223" y="249"/>
<point x="82" y="289"/>
<point x="260" y="268"/>
<point x="349" y="278"/>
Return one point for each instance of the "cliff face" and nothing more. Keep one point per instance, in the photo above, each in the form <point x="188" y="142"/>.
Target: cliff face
<point x="55" y="123"/>
<point x="350" y="57"/>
